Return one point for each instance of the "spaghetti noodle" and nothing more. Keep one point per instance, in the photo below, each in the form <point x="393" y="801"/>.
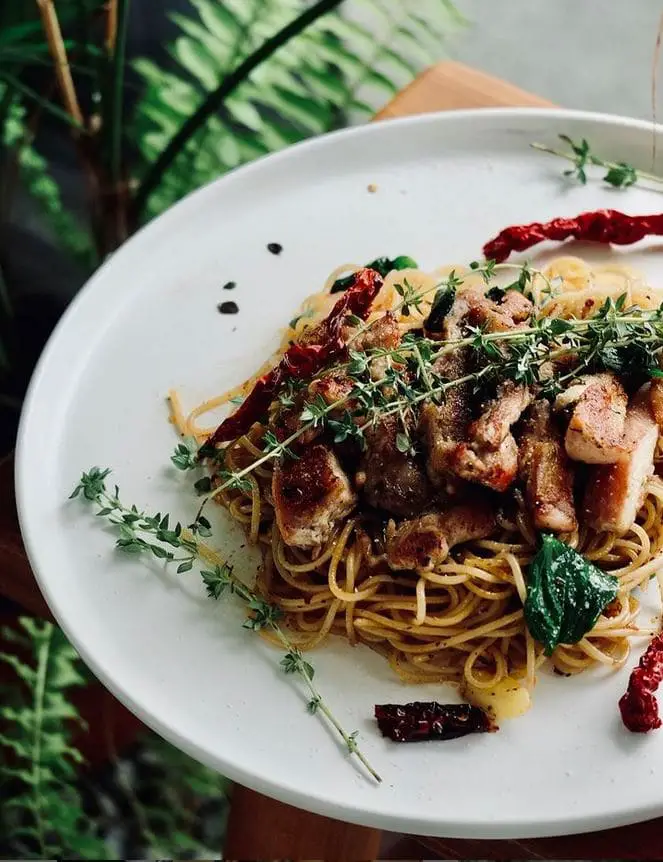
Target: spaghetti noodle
<point x="461" y="621"/>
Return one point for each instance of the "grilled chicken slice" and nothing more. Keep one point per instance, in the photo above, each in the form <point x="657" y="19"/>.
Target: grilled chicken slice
<point x="485" y="452"/>
<point x="384" y="333"/>
<point x="421" y="544"/>
<point x="443" y="426"/>
<point x="494" y="469"/>
<point x="511" y="312"/>
<point x="595" y="433"/>
<point x="392" y="480"/>
<point x="546" y="473"/>
<point x="615" y="492"/>
<point x="656" y="400"/>
<point x="331" y="387"/>
<point x="474" y="308"/>
<point x="516" y="306"/>
<point x="494" y="424"/>
<point x="311" y="494"/>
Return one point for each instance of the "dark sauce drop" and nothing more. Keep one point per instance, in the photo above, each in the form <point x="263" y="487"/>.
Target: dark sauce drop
<point x="274" y="247"/>
<point x="230" y="285"/>
<point x="228" y="307"/>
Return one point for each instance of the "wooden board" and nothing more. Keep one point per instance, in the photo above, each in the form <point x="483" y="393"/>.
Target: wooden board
<point x="454" y="86"/>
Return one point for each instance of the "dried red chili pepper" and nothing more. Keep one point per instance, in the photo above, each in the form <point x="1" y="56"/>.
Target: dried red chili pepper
<point x="605" y="226"/>
<point x="303" y="360"/>
<point x="638" y="706"/>
<point x="418" y="721"/>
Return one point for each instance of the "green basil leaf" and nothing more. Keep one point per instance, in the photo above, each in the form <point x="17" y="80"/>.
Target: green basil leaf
<point x="565" y="594"/>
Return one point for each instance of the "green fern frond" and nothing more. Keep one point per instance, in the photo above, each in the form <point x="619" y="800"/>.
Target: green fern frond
<point x="36" y="178"/>
<point x="340" y="69"/>
<point x="44" y="815"/>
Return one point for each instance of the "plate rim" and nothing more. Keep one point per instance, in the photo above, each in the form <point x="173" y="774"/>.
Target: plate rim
<point x="426" y="825"/>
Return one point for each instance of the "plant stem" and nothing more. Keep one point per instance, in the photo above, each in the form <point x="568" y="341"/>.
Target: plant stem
<point x="117" y="90"/>
<point x="595" y="160"/>
<point x="58" y="51"/>
<point x="18" y="85"/>
<point x="111" y="506"/>
<point x="322" y="706"/>
<point x="111" y="25"/>
<point x="43" y="655"/>
<point x="217" y="97"/>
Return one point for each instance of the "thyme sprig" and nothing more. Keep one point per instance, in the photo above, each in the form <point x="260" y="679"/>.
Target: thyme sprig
<point x="627" y="341"/>
<point x="140" y="533"/>
<point x="619" y="174"/>
<point x="624" y="340"/>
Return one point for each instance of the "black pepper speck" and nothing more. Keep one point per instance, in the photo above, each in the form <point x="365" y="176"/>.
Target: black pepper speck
<point x="228" y="307"/>
<point x="275" y="247"/>
<point x="230" y="285"/>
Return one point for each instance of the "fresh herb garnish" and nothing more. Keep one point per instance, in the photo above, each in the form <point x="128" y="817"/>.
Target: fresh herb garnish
<point x="619" y="174"/>
<point x="203" y="485"/>
<point x="185" y="456"/>
<point x="410" y="295"/>
<point x="565" y="594"/>
<point x="142" y="533"/>
<point x="617" y="336"/>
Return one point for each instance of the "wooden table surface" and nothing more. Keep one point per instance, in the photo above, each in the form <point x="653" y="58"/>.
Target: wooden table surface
<point x="261" y="828"/>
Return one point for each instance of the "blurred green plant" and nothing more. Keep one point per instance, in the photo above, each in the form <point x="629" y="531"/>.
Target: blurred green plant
<point x="41" y="808"/>
<point x="248" y="77"/>
<point x="47" y="811"/>
<point x="315" y="83"/>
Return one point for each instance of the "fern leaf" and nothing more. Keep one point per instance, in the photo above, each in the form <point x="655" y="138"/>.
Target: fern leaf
<point x="194" y="58"/>
<point x="14" y="745"/>
<point x="43" y="188"/>
<point x="38" y="756"/>
<point x="25" y="673"/>
<point x="334" y="70"/>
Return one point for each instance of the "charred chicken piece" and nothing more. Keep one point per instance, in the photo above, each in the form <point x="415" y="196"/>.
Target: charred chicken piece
<point x="494" y="424"/>
<point x="443" y="426"/>
<point x="422" y="543"/>
<point x="494" y="469"/>
<point x="384" y="333"/>
<point x="311" y="495"/>
<point x="615" y="492"/>
<point x="595" y="434"/>
<point x="392" y="480"/>
<point x="546" y="472"/>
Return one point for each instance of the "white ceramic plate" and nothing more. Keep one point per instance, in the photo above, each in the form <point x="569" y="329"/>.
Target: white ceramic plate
<point x="147" y="321"/>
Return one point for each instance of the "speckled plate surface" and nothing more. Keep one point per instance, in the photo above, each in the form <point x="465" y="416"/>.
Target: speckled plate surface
<point x="148" y="321"/>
